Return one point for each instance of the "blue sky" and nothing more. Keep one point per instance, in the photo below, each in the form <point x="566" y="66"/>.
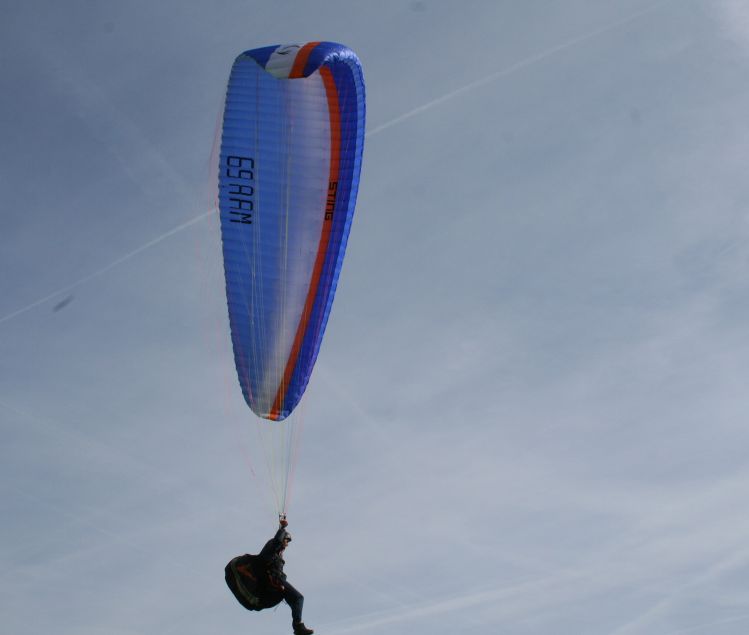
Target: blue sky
<point x="529" y="412"/>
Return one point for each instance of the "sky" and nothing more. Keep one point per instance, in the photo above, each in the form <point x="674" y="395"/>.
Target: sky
<point x="529" y="412"/>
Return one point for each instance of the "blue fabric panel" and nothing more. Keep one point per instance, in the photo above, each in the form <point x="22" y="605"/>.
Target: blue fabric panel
<point x="254" y="177"/>
<point x="261" y="55"/>
<point x="237" y="181"/>
<point x="350" y="85"/>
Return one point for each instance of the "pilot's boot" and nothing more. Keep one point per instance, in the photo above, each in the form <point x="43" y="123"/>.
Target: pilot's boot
<point x="301" y="629"/>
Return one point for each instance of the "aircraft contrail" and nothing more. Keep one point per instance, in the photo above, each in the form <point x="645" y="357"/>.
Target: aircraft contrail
<point x="635" y="625"/>
<point x="111" y="265"/>
<point x="522" y="64"/>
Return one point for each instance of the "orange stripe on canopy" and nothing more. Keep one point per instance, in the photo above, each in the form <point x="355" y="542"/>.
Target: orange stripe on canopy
<point x="335" y="150"/>
<point x="301" y="60"/>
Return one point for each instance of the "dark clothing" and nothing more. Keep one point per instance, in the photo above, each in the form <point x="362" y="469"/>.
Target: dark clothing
<point x="272" y="561"/>
<point x="259" y="582"/>
<point x="295" y="600"/>
<point x="246" y="578"/>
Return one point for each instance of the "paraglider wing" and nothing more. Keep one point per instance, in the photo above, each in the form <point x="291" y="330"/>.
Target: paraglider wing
<point x="292" y="140"/>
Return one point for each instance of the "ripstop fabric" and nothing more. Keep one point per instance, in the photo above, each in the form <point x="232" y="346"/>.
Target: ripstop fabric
<point x="291" y="152"/>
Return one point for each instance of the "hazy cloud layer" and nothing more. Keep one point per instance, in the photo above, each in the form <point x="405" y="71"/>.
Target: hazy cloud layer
<point x="529" y="412"/>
